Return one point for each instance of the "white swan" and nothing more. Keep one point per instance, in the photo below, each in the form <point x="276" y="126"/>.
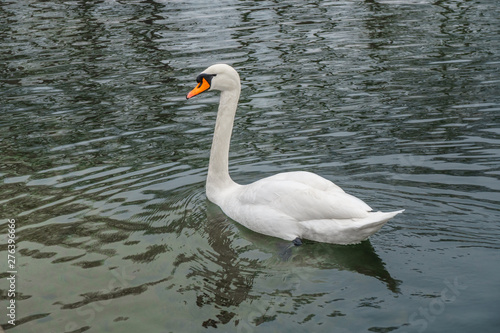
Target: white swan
<point x="291" y="205"/>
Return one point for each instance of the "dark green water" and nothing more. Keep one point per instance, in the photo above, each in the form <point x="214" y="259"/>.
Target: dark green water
<point x="103" y="164"/>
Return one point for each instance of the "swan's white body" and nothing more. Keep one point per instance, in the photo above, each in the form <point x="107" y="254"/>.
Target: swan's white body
<point x="288" y="205"/>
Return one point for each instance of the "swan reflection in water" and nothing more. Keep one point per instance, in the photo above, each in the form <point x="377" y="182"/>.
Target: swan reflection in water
<point x="238" y="256"/>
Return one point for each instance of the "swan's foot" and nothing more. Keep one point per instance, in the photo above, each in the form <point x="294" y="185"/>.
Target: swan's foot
<point x="297" y="241"/>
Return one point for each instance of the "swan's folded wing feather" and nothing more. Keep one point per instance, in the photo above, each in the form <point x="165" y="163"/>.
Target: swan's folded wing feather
<point x="302" y="201"/>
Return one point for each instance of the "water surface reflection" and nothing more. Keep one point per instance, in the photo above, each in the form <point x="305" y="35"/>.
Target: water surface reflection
<point x="103" y="162"/>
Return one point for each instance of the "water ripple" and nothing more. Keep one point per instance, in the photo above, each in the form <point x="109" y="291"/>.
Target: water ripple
<point x="103" y="162"/>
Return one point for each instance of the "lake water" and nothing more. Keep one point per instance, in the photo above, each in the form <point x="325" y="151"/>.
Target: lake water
<point x="103" y="164"/>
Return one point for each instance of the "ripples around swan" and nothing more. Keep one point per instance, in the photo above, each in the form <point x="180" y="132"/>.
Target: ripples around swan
<point x="103" y="163"/>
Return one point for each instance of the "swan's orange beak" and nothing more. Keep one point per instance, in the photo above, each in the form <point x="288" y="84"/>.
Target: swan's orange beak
<point x="201" y="87"/>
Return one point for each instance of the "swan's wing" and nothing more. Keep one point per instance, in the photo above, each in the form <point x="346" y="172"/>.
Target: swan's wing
<point x="314" y="198"/>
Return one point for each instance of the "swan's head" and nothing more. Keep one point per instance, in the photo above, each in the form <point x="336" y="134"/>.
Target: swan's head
<point x="217" y="77"/>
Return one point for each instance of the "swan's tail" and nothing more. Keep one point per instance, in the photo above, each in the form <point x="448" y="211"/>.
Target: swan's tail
<point x="346" y="231"/>
<point x="377" y="219"/>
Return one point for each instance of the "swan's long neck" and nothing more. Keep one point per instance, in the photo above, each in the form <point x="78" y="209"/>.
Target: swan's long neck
<point x="218" y="177"/>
